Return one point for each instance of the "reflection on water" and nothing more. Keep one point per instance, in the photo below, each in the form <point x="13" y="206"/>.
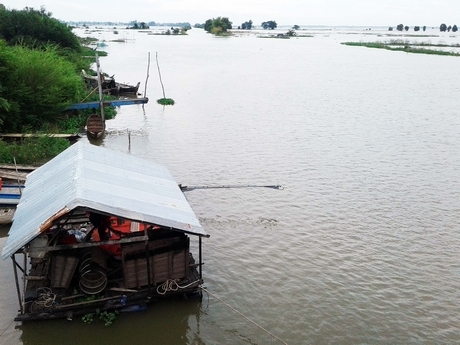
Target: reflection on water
<point x="162" y="322"/>
<point x="362" y="244"/>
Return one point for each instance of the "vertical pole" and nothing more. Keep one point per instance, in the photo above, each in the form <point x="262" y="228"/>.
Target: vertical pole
<point x="24" y="280"/>
<point x="99" y="85"/>
<point x="17" y="174"/>
<point x="147" y="78"/>
<point x="18" y="290"/>
<point x="129" y="141"/>
<point x="200" y="259"/>
<point x="149" y="279"/>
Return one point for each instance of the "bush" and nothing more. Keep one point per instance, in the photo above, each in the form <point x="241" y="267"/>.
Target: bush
<point x="38" y="86"/>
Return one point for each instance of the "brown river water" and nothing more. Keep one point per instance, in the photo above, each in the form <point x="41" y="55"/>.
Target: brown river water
<point x="362" y="244"/>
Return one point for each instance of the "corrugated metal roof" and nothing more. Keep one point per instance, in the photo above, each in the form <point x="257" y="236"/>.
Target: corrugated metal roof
<point x="112" y="182"/>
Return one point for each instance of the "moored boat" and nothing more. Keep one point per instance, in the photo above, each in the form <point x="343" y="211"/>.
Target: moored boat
<point x="109" y="85"/>
<point x="95" y="126"/>
<point x="125" y="89"/>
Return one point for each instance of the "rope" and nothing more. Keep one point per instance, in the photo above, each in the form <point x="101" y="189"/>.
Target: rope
<point x="171" y="285"/>
<point x="7" y="328"/>
<point x="236" y="311"/>
<point x="45" y="298"/>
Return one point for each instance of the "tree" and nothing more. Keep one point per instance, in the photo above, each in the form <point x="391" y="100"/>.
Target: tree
<point x="208" y="25"/>
<point x="443" y="27"/>
<point x="416" y="28"/>
<point x="134" y="25"/>
<point x="406" y="28"/>
<point x="296" y="27"/>
<point x="291" y="33"/>
<point x="424" y="28"/>
<point x="247" y="25"/>
<point x="36" y="29"/>
<point x="454" y="28"/>
<point x="400" y="27"/>
<point x="271" y="24"/>
<point x="218" y="26"/>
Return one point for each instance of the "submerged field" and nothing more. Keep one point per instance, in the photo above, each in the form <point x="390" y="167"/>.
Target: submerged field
<point x="410" y="47"/>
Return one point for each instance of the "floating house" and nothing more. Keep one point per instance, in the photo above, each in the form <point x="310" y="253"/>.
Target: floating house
<point x="97" y="229"/>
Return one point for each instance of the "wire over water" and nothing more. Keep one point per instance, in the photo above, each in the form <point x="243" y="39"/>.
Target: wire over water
<point x="247" y="318"/>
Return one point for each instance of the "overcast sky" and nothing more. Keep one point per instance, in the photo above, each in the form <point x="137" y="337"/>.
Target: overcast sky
<point x="284" y="12"/>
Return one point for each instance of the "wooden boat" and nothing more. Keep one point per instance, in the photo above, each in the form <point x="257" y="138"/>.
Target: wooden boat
<point x="109" y="85"/>
<point x="80" y="242"/>
<point x="121" y="89"/>
<point x="95" y="126"/>
<point x="10" y="194"/>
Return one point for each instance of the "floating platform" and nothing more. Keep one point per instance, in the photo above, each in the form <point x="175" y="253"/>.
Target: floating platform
<point x="113" y="103"/>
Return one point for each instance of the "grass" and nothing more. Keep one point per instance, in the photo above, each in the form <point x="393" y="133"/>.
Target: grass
<point x="32" y="151"/>
<point x="405" y="46"/>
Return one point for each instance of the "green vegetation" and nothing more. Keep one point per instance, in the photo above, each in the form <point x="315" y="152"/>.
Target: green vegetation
<point x="37" y="86"/>
<point x="165" y="101"/>
<point x="271" y="24"/>
<point x="40" y="74"/>
<point x="36" y="29"/>
<point x="173" y="31"/>
<point x="138" y="26"/>
<point x="218" y="26"/>
<point x="399" y="45"/>
<point x="32" y="151"/>
<point x="246" y="25"/>
<point x="106" y="317"/>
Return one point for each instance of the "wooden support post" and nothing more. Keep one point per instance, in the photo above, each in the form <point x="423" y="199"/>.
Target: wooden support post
<point x="149" y="279"/>
<point x="24" y="279"/>
<point x="200" y="259"/>
<point x="18" y="289"/>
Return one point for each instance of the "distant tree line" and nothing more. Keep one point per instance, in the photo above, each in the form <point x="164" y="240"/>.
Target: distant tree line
<point x="176" y="31"/>
<point x="220" y="25"/>
<point x="138" y="26"/>
<point x="442" y="28"/>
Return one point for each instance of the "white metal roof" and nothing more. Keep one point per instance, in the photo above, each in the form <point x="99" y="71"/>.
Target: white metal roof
<point x="112" y="182"/>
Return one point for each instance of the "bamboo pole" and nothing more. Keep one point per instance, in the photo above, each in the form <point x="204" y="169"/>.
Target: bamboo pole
<point x="147" y="78"/>
<point x="17" y="173"/>
<point x="159" y="73"/>
<point x="99" y="84"/>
